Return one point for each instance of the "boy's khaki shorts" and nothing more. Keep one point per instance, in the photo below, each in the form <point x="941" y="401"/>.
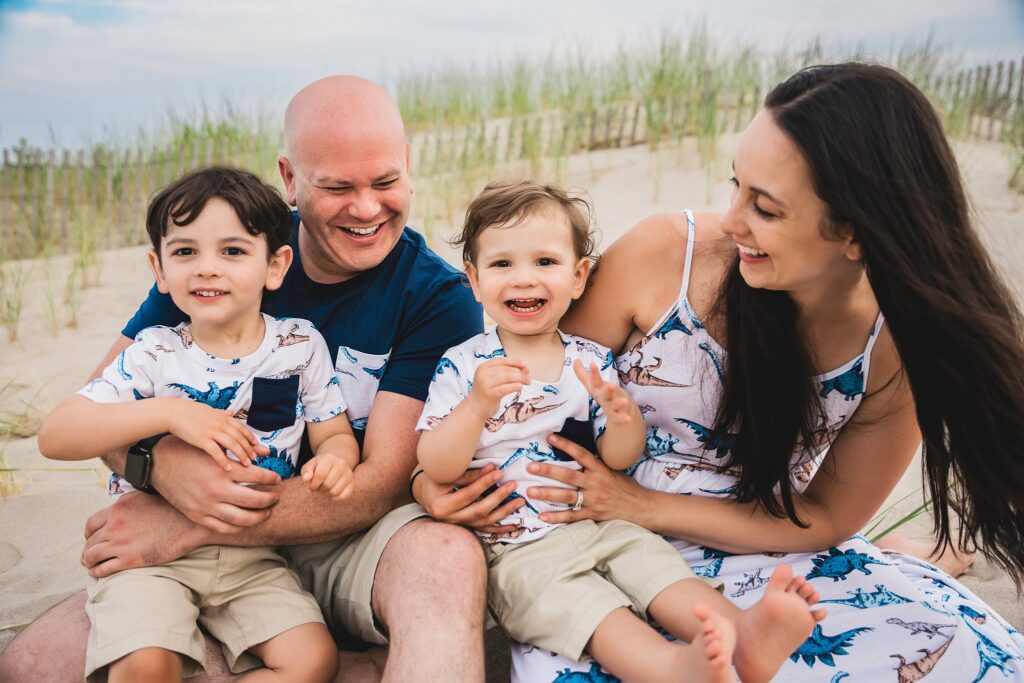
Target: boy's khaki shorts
<point x="340" y="574"/>
<point x="242" y="596"/>
<point x="553" y="592"/>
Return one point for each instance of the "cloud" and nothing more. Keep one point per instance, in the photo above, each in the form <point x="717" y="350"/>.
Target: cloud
<point x="127" y="62"/>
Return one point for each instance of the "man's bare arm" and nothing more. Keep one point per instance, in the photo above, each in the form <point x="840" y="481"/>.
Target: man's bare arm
<point x="381" y="484"/>
<point x="122" y="536"/>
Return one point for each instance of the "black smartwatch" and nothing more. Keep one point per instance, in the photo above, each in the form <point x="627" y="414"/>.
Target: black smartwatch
<point x="138" y="466"/>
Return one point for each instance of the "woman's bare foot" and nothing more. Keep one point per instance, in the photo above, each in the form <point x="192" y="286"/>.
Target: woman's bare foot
<point x="953" y="561"/>
<point x="769" y="632"/>
<point x="709" y="656"/>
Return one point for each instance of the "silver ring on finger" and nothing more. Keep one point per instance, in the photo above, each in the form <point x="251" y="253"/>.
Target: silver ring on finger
<point x="578" y="505"/>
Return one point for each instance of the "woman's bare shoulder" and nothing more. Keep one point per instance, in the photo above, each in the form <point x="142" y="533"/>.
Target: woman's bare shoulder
<point x="659" y="240"/>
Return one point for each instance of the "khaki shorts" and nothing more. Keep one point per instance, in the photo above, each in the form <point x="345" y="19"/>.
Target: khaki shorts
<point x="340" y="574"/>
<point x="242" y="596"/>
<point x="553" y="592"/>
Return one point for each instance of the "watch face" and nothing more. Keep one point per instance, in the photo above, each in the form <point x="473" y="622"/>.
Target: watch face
<point x="136" y="469"/>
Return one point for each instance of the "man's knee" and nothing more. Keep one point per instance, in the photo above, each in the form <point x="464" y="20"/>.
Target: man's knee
<point x="438" y="547"/>
<point x="33" y="655"/>
<point x="429" y="561"/>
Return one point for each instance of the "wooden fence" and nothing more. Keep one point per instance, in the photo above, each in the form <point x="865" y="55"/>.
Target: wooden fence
<point x="51" y="201"/>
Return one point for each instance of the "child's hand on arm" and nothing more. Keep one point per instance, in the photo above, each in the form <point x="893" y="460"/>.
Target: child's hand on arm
<point x="214" y="431"/>
<point x="623" y="439"/>
<point x="337" y="454"/>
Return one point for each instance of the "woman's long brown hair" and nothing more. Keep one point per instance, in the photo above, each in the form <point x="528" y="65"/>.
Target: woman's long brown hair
<point x="880" y="162"/>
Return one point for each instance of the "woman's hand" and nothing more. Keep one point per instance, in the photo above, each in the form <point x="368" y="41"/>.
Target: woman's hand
<point x="607" y="494"/>
<point x="458" y="504"/>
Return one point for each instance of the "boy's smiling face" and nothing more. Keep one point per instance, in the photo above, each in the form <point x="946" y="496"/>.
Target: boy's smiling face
<point x="214" y="270"/>
<point x="527" y="274"/>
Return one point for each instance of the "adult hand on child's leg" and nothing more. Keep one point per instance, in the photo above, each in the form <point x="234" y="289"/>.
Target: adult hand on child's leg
<point x="463" y="505"/>
<point x="139" y="530"/>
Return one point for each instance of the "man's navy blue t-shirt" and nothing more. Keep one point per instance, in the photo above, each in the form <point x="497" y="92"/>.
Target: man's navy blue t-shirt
<point x="386" y="328"/>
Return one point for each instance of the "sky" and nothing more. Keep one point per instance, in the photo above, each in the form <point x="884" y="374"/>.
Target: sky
<point x="73" y="73"/>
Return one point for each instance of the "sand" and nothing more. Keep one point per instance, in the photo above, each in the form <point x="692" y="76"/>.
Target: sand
<point x="42" y="531"/>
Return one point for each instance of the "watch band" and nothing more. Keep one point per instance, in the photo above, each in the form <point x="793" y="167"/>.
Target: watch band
<point x="138" y="470"/>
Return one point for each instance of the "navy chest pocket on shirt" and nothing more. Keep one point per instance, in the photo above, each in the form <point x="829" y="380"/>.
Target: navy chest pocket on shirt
<point x="273" y="403"/>
<point x="580" y="432"/>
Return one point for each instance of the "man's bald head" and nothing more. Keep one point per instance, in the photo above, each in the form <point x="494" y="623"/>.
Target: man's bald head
<point x="340" y="107"/>
<point x="346" y="170"/>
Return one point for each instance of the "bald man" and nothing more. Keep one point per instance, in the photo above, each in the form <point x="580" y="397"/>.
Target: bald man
<point x="388" y="307"/>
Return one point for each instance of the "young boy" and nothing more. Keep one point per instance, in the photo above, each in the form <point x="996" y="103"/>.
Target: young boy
<point x="495" y="399"/>
<point x="241" y="386"/>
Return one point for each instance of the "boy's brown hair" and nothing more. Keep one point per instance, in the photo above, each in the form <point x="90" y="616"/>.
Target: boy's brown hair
<point x="506" y="203"/>
<point x="259" y="206"/>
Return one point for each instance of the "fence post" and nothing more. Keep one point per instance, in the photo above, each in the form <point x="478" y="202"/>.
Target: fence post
<point x="636" y="122"/>
<point x="993" y="100"/>
<point x="1018" y="131"/>
<point x="20" y="187"/>
<point x="5" y="194"/>
<point x="1006" y="102"/>
<point x="66" y="190"/>
<point x="79" y="195"/>
<point x="141" y="171"/>
<point x="981" y="98"/>
<point x="607" y="141"/>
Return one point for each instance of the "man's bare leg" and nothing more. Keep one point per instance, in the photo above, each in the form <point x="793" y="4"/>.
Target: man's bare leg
<point x="435" y="619"/>
<point x="430" y="592"/>
<point x="31" y="656"/>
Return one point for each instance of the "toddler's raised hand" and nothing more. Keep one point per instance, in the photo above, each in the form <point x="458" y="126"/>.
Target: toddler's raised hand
<point x="214" y="431"/>
<point x="618" y="406"/>
<point x="495" y="379"/>
<point x="330" y="473"/>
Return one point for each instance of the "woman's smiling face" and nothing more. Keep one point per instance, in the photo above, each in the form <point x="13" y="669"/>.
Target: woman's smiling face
<point x="776" y="219"/>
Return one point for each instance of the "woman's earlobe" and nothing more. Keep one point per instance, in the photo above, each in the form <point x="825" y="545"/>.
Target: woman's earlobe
<point x="853" y="251"/>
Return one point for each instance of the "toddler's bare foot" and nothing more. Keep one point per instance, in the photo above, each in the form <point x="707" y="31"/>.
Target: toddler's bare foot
<point x="949" y="559"/>
<point x="709" y="657"/>
<point x="769" y="632"/>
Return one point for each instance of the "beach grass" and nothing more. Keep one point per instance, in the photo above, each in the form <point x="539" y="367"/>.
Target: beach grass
<point x="521" y="114"/>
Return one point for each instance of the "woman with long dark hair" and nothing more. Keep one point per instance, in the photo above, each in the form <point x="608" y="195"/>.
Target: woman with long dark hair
<point x="791" y="354"/>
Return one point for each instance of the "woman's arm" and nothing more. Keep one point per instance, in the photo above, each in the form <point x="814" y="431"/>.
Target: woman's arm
<point x="860" y="470"/>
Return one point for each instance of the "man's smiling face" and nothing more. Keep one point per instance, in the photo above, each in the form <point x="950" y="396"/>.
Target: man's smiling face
<point x="347" y="172"/>
<point x="353" y="208"/>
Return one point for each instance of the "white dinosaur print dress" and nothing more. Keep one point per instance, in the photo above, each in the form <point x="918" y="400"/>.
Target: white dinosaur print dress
<point x="890" y="617"/>
<point x="516" y="434"/>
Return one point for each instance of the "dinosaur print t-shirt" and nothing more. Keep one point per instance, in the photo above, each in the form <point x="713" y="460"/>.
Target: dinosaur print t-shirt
<point x="288" y="381"/>
<point x="386" y="327"/>
<point x="516" y="434"/>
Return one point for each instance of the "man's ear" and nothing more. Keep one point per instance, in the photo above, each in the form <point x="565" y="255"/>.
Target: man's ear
<point x="280" y="262"/>
<point x="287" y="171"/>
<point x="158" y="271"/>
<point x="474" y="281"/>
